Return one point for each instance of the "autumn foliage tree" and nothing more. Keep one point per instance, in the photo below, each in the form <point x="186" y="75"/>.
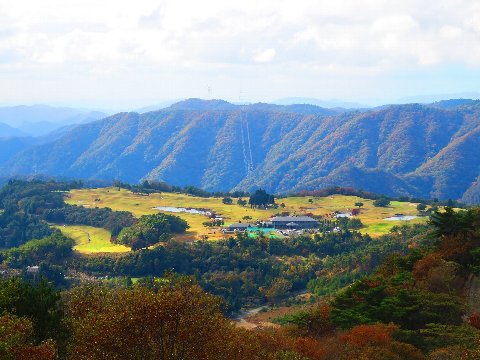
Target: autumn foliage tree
<point x="175" y="320"/>
<point x="16" y="340"/>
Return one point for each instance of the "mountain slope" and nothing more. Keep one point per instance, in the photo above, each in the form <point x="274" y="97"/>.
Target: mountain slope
<point x="11" y="146"/>
<point x="419" y="150"/>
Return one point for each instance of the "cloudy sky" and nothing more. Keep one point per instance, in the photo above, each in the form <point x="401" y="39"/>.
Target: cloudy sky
<point x="115" y="53"/>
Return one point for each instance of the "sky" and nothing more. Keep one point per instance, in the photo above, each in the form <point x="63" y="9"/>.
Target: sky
<point x="127" y="54"/>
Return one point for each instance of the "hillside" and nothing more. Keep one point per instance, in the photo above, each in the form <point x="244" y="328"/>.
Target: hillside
<point x="417" y="150"/>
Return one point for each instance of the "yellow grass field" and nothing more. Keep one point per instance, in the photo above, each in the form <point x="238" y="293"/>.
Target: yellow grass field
<point x="91" y="240"/>
<point x="372" y="217"/>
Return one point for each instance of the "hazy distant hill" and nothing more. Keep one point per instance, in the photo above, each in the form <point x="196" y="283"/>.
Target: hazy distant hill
<point x="8" y="131"/>
<point x="37" y="120"/>
<point x="426" y="99"/>
<point x="421" y="150"/>
<point x="322" y="103"/>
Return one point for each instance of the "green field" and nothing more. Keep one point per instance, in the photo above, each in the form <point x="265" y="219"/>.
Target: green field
<point x="373" y="217"/>
<point x="91" y="240"/>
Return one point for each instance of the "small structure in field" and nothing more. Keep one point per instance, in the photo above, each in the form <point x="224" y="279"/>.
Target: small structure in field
<point x="293" y="222"/>
<point x="33" y="270"/>
<point x="236" y="227"/>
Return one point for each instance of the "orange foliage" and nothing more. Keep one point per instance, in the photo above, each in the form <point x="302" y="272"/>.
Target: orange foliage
<point x="455" y="353"/>
<point x="364" y="335"/>
<point x="366" y="342"/>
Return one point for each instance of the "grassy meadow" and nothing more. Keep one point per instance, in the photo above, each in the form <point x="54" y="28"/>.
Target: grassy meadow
<point x="372" y="217"/>
<point x="91" y="240"/>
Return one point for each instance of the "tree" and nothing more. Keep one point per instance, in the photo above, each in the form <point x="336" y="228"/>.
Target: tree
<point x="176" y="320"/>
<point x="242" y="202"/>
<point x="16" y="340"/>
<point x="227" y="200"/>
<point x="359" y="204"/>
<point x="451" y="223"/>
<point x="40" y="303"/>
<point x="421" y="207"/>
<point x="381" y="202"/>
<point x="261" y="198"/>
<point x="279" y="289"/>
<point x="354" y="223"/>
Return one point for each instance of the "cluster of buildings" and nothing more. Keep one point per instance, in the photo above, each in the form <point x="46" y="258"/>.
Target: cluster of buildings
<point x="278" y="222"/>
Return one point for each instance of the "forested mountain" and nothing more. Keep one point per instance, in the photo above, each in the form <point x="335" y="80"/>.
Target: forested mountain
<point x="10" y="146"/>
<point x="419" y="150"/>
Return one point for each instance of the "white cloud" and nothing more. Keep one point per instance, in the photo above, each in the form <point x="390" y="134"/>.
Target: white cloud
<point x="265" y="55"/>
<point x="316" y="36"/>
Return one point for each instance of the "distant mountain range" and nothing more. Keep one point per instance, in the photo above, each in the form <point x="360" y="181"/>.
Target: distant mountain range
<point x="426" y="99"/>
<point x="419" y="150"/>
<point x="322" y="103"/>
<point x="38" y="120"/>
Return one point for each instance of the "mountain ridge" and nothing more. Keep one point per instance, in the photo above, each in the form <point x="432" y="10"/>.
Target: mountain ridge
<point x="412" y="149"/>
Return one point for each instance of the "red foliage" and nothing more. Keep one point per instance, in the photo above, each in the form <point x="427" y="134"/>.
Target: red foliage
<point x="474" y="320"/>
<point x="355" y="212"/>
<point x="15" y="340"/>
<point x="423" y="266"/>
<point x="367" y="335"/>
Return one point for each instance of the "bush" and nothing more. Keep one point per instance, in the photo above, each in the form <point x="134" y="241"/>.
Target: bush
<point x="381" y="202"/>
<point x="354" y="223"/>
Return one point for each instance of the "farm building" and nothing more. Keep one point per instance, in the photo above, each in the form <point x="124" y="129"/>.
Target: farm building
<point x="293" y="222"/>
<point x="237" y="227"/>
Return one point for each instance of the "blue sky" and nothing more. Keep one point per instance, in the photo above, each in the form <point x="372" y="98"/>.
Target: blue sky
<point x="121" y="54"/>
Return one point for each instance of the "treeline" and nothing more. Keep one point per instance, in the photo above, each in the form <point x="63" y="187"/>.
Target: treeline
<point x="55" y="249"/>
<point x="22" y="205"/>
<point x="18" y="228"/>
<point x="348" y="191"/>
<point x="34" y="197"/>
<point x="150" y="187"/>
<point x="106" y="218"/>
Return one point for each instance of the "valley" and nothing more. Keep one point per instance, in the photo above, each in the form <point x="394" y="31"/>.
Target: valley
<point x="372" y="217"/>
<point x="142" y="244"/>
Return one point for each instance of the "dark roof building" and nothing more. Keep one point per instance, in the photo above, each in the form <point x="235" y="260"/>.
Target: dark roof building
<point x="237" y="227"/>
<point x="293" y="222"/>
